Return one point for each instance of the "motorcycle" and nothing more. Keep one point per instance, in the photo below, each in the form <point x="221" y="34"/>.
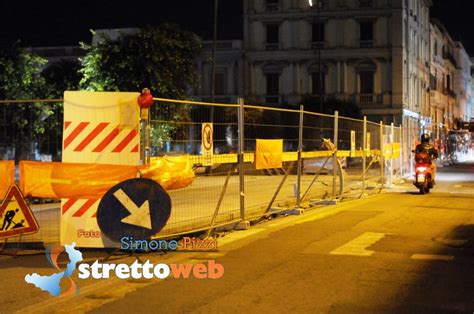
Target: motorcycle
<point x="423" y="173"/>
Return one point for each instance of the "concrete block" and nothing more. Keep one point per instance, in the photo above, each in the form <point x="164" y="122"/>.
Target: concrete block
<point x="325" y="202"/>
<point x="242" y="225"/>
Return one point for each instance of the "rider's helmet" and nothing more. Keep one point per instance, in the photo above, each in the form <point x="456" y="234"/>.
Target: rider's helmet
<point x="425" y="138"/>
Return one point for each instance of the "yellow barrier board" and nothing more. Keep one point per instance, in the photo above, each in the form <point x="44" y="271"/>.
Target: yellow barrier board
<point x="268" y="154"/>
<point x="99" y="128"/>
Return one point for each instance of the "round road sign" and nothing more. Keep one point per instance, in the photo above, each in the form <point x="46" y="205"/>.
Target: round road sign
<point x="137" y="208"/>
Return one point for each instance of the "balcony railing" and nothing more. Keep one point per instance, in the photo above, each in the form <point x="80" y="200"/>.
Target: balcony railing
<point x="317" y="44"/>
<point x="272" y="46"/>
<point x="369" y="98"/>
<point x="366" y="44"/>
<point x="272" y="6"/>
<point x="450" y="57"/>
<point x="366" y="3"/>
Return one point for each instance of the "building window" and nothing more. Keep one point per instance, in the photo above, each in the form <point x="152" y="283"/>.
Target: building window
<point x="273" y="36"/>
<point x="318" y="83"/>
<point x="318" y="35"/>
<point x="220" y="84"/>
<point x="272" y="5"/>
<point x="433" y="82"/>
<point x="273" y="87"/>
<point x="436" y="48"/>
<point x="366" y="34"/>
<point x="366" y="82"/>
<point x="366" y="3"/>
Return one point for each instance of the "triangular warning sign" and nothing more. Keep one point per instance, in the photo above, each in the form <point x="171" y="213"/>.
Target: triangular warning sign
<point x="16" y="216"/>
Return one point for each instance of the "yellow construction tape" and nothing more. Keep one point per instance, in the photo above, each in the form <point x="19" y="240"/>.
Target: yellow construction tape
<point x="287" y="156"/>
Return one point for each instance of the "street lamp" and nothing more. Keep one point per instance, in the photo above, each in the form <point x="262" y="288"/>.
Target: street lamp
<point x="213" y="71"/>
<point x="317" y="3"/>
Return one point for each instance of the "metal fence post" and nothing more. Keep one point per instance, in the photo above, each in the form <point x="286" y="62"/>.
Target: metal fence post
<point x="241" y="149"/>
<point x="364" y="153"/>
<point x="401" y="156"/>
<point x="391" y="154"/>
<point x="382" y="158"/>
<point x="300" y="159"/>
<point x="334" y="157"/>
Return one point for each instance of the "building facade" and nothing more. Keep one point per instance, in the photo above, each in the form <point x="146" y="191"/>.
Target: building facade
<point x="228" y="72"/>
<point x="374" y="53"/>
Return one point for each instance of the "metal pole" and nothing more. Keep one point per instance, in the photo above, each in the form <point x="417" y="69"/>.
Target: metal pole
<point x="287" y="172"/>
<point x="401" y="156"/>
<point x="391" y="154"/>
<point x="318" y="25"/>
<point x="148" y="141"/>
<point x="382" y="158"/>
<point x="221" y="198"/>
<point x="300" y="159"/>
<point x="214" y="48"/>
<point x="241" y="149"/>
<point x="334" y="156"/>
<point x="364" y="153"/>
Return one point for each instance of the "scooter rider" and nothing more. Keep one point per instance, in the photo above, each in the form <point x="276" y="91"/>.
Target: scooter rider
<point x="425" y="152"/>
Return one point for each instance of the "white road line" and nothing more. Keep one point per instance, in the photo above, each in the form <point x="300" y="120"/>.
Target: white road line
<point x="357" y="247"/>
<point x="428" y="257"/>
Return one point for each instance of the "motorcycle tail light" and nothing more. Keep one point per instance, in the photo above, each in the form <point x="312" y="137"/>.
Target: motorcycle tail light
<point x="421" y="169"/>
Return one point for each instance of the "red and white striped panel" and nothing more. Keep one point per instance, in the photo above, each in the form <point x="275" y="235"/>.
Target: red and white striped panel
<point x="101" y="137"/>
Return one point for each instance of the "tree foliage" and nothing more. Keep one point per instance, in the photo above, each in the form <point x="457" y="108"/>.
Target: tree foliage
<point x="62" y="75"/>
<point x="161" y="58"/>
<point x="25" y="123"/>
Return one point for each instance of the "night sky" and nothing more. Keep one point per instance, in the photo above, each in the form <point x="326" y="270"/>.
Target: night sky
<point x="55" y="23"/>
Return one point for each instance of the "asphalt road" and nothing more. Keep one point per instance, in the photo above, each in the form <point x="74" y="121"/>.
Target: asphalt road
<point x="393" y="252"/>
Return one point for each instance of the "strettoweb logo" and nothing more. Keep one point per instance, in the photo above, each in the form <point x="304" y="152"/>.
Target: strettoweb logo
<point x="98" y="270"/>
<point x="51" y="283"/>
<point x="148" y="270"/>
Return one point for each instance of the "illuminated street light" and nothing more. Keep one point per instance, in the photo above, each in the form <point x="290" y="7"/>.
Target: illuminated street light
<point x="318" y="21"/>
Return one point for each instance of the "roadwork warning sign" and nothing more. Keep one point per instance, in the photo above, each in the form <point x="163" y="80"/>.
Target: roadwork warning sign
<point x="16" y="216"/>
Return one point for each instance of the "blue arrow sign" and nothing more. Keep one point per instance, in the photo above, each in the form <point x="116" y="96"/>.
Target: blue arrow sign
<point x="137" y="208"/>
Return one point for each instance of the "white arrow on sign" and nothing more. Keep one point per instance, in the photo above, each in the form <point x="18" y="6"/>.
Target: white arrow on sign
<point x="139" y="216"/>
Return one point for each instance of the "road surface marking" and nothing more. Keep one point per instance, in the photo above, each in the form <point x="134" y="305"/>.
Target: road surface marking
<point x="429" y="257"/>
<point x="357" y="247"/>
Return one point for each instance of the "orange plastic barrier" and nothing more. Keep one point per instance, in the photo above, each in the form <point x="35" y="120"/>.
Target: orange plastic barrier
<point x="92" y="181"/>
<point x="7" y="176"/>
<point x="171" y="172"/>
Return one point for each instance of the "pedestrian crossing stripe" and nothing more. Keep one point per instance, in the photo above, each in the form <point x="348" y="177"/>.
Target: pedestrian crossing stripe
<point x="16" y="216"/>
